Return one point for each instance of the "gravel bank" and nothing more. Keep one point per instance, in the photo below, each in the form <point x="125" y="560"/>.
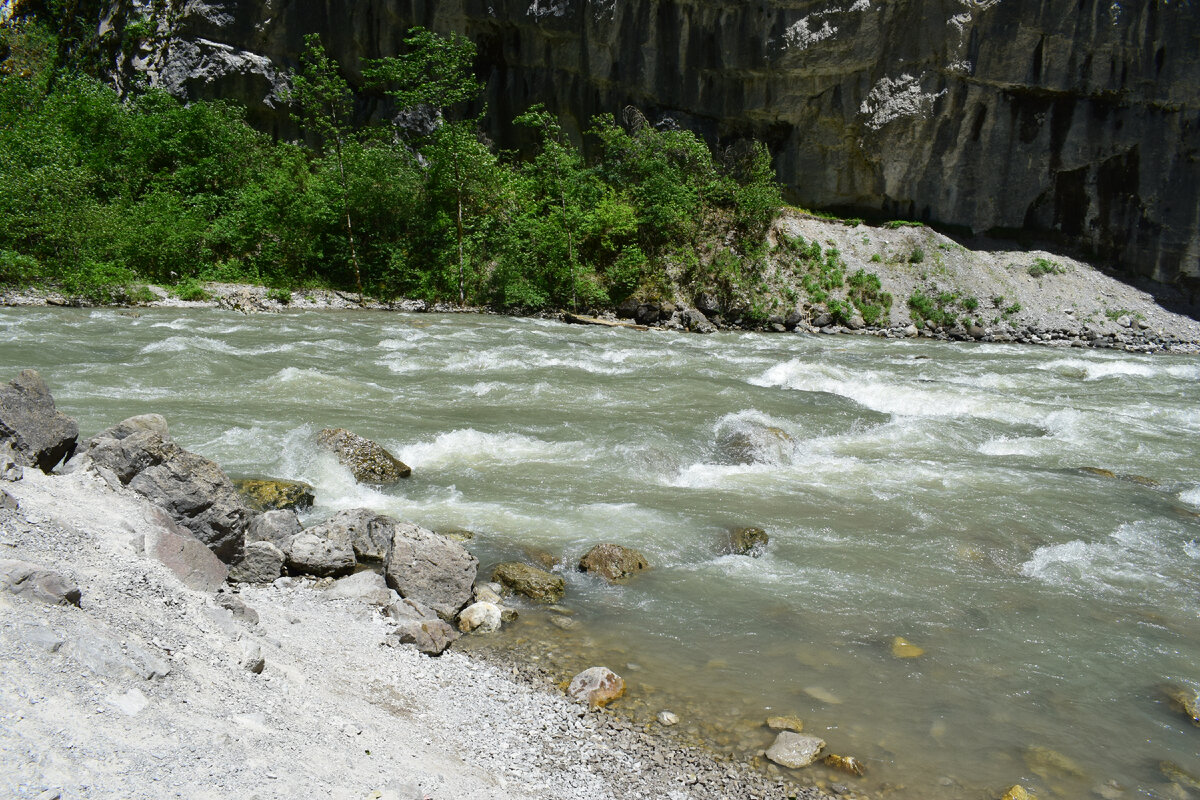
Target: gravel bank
<point x="145" y="692"/>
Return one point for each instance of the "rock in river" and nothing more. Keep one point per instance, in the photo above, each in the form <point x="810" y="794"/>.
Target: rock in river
<point x="367" y="461"/>
<point x="795" y="750"/>
<point x="748" y="542"/>
<point x="534" y="583"/>
<point x="39" y="435"/>
<point x="273" y="494"/>
<point x="612" y="561"/>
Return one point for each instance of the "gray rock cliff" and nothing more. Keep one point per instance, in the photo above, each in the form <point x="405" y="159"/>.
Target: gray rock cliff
<point x="1075" y="118"/>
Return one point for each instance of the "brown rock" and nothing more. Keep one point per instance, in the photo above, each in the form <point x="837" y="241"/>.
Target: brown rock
<point x="534" y="583"/>
<point x="612" y="561"/>
<point x="596" y="686"/>
<point x="748" y="541"/>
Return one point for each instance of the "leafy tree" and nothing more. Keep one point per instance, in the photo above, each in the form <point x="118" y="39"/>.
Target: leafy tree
<point x="325" y="108"/>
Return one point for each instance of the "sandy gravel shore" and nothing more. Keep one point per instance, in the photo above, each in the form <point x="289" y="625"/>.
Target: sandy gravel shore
<point x="144" y="691"/>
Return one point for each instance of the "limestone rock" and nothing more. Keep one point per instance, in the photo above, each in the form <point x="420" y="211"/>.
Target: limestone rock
<point x="261" y="562"/>
<point x="795" y="750"/>
<point x="368" y="462"/>
<point x="277" y="527"/>
<point x="667" y="718"/>
<point x="38" y="583"/>
<point x="612" y="561"/>
<point x="237" y="608"/>
<point x="175" y="547"/>
<point x="748" y="541"/>
<point x="369" y="533"/>
<point x="189" y="487"/>
<point x="367" y="587"/>
<point x="10" y="470"/>
<point x="479" y="617"/>
<point x="488" y="592"/>
<point x="321" y="551"/>
<point x="420" y="626"/>
<point x="251" y="658"/>
<point x="431" y="569"/>
<point x="272" y="494"/>
<point x="534" y="583"/>
<point x="38" y="434"/>
<point x="596" y="686"/>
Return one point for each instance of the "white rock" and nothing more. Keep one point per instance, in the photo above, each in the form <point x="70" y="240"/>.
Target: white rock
<point x="795" y="750"/>
<point x="481" y="617"/>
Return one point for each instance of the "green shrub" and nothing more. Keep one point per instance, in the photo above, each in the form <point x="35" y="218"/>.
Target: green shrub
<point x="876" y="258"/>
<point x="916" y="256"/>
<point x="1044" y="266"/>
<point x="903" y="223"/>
<point x="280" y="295"/>
<point x="17" y="269"/>
<point x="970" y="303"/>
<point x="191" y="290"/>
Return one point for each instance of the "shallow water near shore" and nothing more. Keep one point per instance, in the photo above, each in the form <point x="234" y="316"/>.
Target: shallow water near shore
<point x="1026" y="516"/>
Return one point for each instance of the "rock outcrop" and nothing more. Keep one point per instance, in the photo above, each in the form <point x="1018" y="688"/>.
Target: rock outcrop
<point x="1075" y="118"/>
<point x="36" y="433"/>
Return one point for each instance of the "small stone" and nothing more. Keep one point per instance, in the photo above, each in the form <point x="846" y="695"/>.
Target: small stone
<point x="252" y="658"/>
<point x="902" y="648"/>
<point x="848" y="764"/>
<point x="785" y="723"/>
<point x="667" y="718"/>
<point x="795" y="750"/>
<point x="596" y="686"/>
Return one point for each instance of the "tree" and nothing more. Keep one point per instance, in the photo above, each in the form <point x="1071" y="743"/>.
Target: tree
<point x="325" y="106"/>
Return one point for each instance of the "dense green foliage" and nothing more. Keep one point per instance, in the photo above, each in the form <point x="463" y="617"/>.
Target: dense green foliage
<point x="101" y="192"/>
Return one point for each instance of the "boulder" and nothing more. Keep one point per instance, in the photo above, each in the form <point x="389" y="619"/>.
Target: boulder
<point x="38" y="583"/>
<point x="261" y="562"/>
<point x="480" y="617"/>
<point x="749" y="441"/>
<point x="176" y="548"/>
<point x="707" y="304"/>
<point x="596" y="686"/>
<point x="534" y="583"/>
<point x="420" y="626"/>
<point x="38" y="434"/>
<point x="430" y="569"/>
<point x="272" y="494"/>
<point x="612" y="561"/>
<point x="369" y="533"/>
<point x="277" y="527"/>
<point x="487" y="592"/>
<point x="695" y="321"/>
<point x="367" y="586"/>
<point x="748" y="542"/>
<point x="795" y="750"/>
<point x="647" y="314"/>
<point x="189" y="487"/>
<point x="321" y="550"/>
<point x="368" y="462"/>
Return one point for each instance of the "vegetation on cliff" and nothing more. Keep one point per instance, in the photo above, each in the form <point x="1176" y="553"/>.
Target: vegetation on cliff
<point x="103" y="192"/>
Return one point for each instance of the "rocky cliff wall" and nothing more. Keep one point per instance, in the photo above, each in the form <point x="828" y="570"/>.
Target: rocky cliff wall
<point x="1077" y="118"/>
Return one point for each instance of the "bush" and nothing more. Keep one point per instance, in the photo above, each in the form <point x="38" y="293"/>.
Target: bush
<point x="191" y="290"/>
<point x="1044" y="266"/>
<point x="917" y="256"/>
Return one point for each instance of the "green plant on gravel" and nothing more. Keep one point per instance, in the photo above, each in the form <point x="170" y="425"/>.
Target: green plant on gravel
<point x="970" y="303"/>
<point x="916" y="256"/>
<point x="932" y="310"/>
<point x="876" y="259"/>
<point x="1044" y="266"/>
<point x="281" y="296"/>
<point x="190" y="290"/>
<point x="141" y="295"/>
<point x="1013" y="309"/>
<point x="903" y="223"/>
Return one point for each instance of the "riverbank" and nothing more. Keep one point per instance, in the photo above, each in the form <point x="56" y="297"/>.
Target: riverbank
<point x="939" y="288"/>
<point x="150" y="688"/>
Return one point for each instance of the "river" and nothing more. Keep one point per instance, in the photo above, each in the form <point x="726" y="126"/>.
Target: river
<point x="1026" y="517"/>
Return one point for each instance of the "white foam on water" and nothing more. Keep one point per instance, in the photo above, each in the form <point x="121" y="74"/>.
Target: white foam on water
<point x="181" y="344"/>
<point x="1005" y="446"/>
<point x="888" y="395"/>
<point x="1191" y="496"/>
<point x="1133" y="558"/>
<point x="467" y="448"/>
<point x="1094" y="370"/>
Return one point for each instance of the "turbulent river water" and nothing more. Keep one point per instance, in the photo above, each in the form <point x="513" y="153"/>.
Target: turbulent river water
<point x="1028" y="517"/>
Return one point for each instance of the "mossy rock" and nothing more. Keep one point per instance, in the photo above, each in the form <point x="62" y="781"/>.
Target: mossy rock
<point x="748" y="542"/>
<point x="275" y="494"/>
<point x="534" y="583"/>
<point x="612" y="562"/>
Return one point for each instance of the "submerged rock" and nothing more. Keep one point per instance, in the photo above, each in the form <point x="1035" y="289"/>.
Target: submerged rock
<point x="1185" y="700"/>
<point x="273" y="494"/>
<point x="748" y="542"/>
<point x="612" y="562"/>
<point x="795" y="750"/>
<point x="596" y="686"/>
<point x="1177" y="774"/>
<point x="847" y="764"/>
<point x="747" y="441"/>
<point x="38" y="434"/>
<point x="534" y="583"/>
<point x="431" y="569"/>
<point x="785" y="723"/>
<point x="1046" y="762"/>
<point x="902" y="648"/>
<point x="368" y="462"/>
<point x="1017" y="792"/>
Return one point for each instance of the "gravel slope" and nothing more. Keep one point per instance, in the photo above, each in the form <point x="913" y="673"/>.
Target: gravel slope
<point x="143" y="692"/>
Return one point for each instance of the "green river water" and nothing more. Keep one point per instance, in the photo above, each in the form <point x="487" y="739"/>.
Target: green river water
<point x="935" y="492"/>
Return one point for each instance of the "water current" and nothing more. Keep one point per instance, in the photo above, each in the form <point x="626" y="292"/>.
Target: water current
<point x="1028" y="517"/>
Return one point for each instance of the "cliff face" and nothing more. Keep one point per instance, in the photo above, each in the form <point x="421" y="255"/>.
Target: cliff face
<point x="1079" y="118"/>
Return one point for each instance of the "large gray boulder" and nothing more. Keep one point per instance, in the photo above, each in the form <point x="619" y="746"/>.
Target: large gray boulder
<point x="369" y="533"/>
<point x="277" y="527"/>
<point x="368" y="462"/>
<point x="321" y="550"/>
<point x="261" y="562"/>
<point x="430" y="569"/>
<point x="38" y="583"/>
<point x="189" y="487"/>
<point x="40" y="435"/>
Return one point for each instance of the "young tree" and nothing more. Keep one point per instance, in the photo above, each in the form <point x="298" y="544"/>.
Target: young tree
<point x="325" y="106"/>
